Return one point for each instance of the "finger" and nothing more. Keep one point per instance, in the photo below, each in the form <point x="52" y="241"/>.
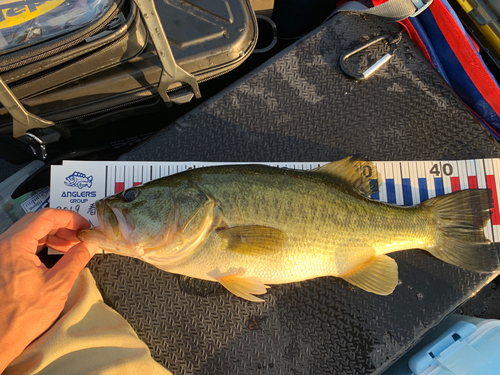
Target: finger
<point x="57" y="243"/>
<point x="67" y="234"/>
<point x="63" y="233"/>
<point x="48" y="219"/>
<point x="69" y="266"/>
<point x="61" y="237"/>
<point x="41" y="245"/>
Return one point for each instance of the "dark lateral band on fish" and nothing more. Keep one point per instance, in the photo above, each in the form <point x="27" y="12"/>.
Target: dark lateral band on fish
<point x="251" y="226"/>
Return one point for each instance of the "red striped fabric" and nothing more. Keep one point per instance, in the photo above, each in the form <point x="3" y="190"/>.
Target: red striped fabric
<point x="469" y="60"/>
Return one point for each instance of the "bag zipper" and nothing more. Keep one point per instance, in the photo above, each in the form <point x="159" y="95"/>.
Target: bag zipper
<point x="65" y="46"/>
<point x="91" y="55"/>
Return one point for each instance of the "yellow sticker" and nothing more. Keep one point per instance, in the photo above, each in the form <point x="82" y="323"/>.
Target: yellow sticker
<point x="15" y="12"/>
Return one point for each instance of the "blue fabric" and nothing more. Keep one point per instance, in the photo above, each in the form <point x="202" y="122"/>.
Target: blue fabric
<point x="448" y="65"/>
<point x="430" y="49"/>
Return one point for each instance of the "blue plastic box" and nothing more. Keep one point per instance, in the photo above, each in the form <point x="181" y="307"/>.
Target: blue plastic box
<point x="468" y="346"/>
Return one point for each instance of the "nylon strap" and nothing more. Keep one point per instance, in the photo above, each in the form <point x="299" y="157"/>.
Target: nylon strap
<point x="392" y="10"/>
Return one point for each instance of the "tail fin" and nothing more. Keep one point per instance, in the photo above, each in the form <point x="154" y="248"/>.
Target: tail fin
<point x="460" y="218"/>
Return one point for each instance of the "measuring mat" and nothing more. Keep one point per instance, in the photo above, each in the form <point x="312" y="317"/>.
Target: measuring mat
<point x="76" y="185"/>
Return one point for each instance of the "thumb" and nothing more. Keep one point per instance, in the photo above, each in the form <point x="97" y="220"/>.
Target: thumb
<point x="71" y="263"/>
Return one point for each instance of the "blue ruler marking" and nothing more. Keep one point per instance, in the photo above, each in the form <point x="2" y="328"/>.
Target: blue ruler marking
<point x="422" y="186"/>
<point x="439" y="186"/>
<point x="391" y="192"/>
<point x="374" y="186"/>
<point x="407" y="192"/>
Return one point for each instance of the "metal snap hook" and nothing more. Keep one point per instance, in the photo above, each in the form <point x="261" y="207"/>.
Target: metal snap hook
<point x="372" y="69"/>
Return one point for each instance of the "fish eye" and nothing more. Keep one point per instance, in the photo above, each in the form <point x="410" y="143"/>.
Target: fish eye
<point x="129" y="195"/>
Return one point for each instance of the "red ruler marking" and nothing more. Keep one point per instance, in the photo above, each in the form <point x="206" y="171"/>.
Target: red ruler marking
<point x="490" y="182"/>
<point x="455" y="184"/>
<point x="119" y="186"/>
<point x="472" y="182"/>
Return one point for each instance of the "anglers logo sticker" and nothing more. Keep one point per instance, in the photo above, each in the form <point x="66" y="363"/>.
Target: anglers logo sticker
<point x="79" y="180"/>
<point x="15" y="12"/>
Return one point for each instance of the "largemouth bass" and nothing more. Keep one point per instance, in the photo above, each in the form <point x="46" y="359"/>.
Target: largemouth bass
<point x="250" y="226"/>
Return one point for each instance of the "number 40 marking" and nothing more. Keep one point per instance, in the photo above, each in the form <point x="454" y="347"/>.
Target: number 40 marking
<point x="447" y="170"/>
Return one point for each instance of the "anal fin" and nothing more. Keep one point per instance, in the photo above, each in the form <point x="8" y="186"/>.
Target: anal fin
<point x="379" y="275"/>
<point x="244" y="286"/>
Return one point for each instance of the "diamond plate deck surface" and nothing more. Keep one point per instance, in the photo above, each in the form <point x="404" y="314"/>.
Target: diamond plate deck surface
<point x="300" y="107"/>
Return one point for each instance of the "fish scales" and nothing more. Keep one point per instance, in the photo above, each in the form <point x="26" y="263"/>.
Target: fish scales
<point x="250" y="226"/>
<point x="325" y="225"/>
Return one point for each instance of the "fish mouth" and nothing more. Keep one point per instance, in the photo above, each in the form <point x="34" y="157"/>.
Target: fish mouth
<point x="113" y="221"/>
<point x="108" y="228"/>
<point x="113" y="233"/>
<point x="117" y="224"/>
<point x="97" y="234"/>
<point x="100" y="211"/>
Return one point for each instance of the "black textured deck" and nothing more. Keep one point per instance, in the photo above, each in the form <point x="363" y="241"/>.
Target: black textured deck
<point x="300" y="107"/>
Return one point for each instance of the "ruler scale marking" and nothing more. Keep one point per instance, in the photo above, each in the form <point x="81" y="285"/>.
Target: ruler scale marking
<point x="389" y="182"/>
<point x="137" y="176"/>
<point x="471" y="174"/>
<point x="383" y="186"/>
<point x="398" y="184"/>
<point x="415" y="193"/>
<point x="120" y="179"/>
<point x="454" y="176"/>
<point x="406" y="182"/>
<point x="403" y="183"/>
<point x="422" y="182"/>
<point x="491" y="184"/>
<point x="438" y="181"/>
<point x="106" y="181"/>
<point x="481" y="184"/>
<point x="430" y="170"/>
<point x="496" y="171"/>
<point x="447" y="171"/>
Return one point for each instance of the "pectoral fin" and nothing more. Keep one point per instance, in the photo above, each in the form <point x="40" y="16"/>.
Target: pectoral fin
<point x="253" y="239"/>
<point x="244" y="287"/>
<point x="379" y="275"/>
<point x="360" y="173"/>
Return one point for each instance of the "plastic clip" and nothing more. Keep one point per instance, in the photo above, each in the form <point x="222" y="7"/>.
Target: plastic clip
<point x="421" y="5"/>
<point x="372" y="69"/>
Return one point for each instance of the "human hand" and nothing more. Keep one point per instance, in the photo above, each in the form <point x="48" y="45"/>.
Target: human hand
<point x="32" y="296"/>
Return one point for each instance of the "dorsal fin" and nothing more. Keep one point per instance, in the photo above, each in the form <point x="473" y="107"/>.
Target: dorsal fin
<point x="356" y="171"/>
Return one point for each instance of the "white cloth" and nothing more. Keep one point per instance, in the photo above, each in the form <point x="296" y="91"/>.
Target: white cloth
<point x="88" y="338"/>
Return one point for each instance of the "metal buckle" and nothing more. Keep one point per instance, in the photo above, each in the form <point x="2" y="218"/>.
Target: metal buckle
<point x="37" y="146"/>
<point x="171" y="71"/>
<point x="421" y="5"/>
<point x="372" y="69"/>
<point x="22" y="120"/>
